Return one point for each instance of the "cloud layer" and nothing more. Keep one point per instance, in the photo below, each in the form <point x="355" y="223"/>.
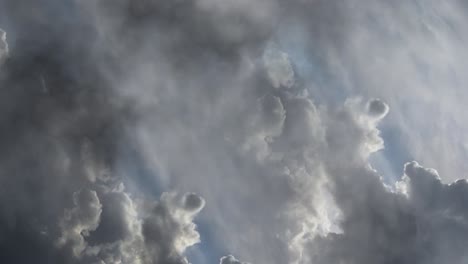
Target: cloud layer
<point x="171" y="132"/>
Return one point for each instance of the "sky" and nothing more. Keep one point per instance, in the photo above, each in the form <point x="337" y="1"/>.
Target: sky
<point x="233" y="131"/>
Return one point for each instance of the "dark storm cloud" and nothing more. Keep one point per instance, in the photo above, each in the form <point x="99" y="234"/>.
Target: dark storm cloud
<point x="60" y="125"/>
<point x="212" y="105"/>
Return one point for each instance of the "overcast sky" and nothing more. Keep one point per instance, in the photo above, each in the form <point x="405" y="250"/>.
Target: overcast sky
<point x="233" y="131"/>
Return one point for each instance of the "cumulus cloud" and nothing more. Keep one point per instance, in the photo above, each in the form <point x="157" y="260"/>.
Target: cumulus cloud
<point x="403" y="53"/>
<point x="230" y="260"/>
<point x="106" y="227"/>
<point x="418" y="222"/>
<point x="81" y="220"/>
<point x="121" y="115"/>
<point x="171" y="221"/>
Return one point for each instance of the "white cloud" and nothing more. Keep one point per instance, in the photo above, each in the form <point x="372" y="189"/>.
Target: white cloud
<point x="78" y="222"/>
<point x="230" y="260"/>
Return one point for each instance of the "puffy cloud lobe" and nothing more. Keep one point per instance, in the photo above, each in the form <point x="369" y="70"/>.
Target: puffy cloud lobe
<point x="348" y="136"/>
<point x="429" y="195"/>
<point x="109" y="229"/>
<point x="377" y="108"/>
<point x="193" y="202"/>
<point x="171" y="221"/>
<point x="118" y="237"/>
<point x="230" y="260"/>
<point x="80" y="221"/>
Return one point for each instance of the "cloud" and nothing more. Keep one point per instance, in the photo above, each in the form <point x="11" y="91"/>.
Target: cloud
<point x="122" y="115"/>
<point x="403" y="52"/>
<point x="108" y="227"/>
<point x="171" y="222"/>
<point x="81" y="220"/>
<point x="418" y="225"/>
<point x="377" y="108"/>
<point x="3" y="46"/>
<point x="230" y="260"/>
<point x="279" y="68"/>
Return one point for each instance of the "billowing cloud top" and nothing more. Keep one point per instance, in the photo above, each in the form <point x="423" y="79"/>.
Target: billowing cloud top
<point x="230" y="260"/>
<point x="377" y="108"/>
<point x="176" y="132"/>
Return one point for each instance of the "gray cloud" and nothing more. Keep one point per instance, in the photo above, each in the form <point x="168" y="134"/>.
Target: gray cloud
<point x="377" y="108"/>
<point x="3" y="46"/>
<point x="80" y="221"/>
<point x="421" y="222"/>
<point x="403" y="52"/>
<point x="204" y="98"/>
<point x="108" y="226"/>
